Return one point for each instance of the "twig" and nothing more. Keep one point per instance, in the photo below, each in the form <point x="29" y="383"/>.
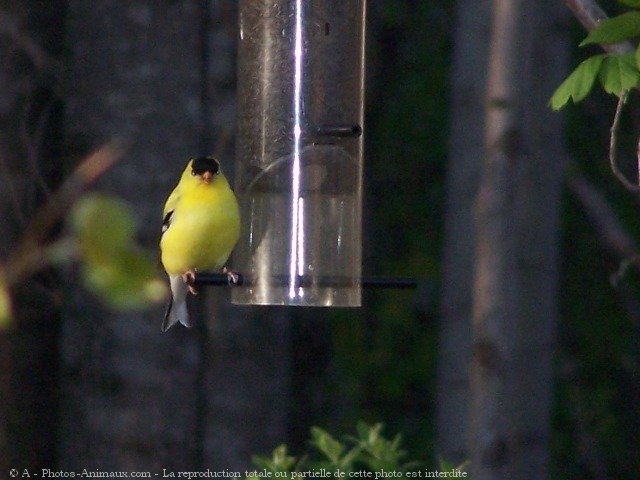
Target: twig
<point x="86" y="173"/>
<point x="613" y="146"/>
<point x="589" y="13"/>
<point x="602" y="216"/>
<point x="32" y="143"/>
<point x="30" y="250"/>
<point x="606" y="225"/>
<point x="622" y="269"/>
<point x="30" y="261"/>
<point x="41" y="59"/>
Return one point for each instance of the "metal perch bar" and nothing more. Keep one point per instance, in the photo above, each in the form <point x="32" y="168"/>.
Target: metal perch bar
<point x="222" y="279"/>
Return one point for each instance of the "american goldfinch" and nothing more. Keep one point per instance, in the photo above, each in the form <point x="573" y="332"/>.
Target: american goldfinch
<point x="200" y="228"/>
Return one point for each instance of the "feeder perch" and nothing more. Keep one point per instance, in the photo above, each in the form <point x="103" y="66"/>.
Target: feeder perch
<point x="299" y="152"/>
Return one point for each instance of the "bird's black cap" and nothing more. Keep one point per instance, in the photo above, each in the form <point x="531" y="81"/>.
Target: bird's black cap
<point x="205" y="164"/>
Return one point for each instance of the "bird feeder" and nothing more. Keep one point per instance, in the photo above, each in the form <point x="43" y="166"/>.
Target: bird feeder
<point x="299" y="152"/>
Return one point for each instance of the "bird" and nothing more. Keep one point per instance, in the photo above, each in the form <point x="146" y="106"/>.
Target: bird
<point x="200" y="228"/>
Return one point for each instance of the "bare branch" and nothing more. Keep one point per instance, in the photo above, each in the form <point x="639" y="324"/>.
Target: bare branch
<point x="32" y="142"/>
<point x="589" y="14"/>
<point x="21" y="266"/>
<point x="31" y="253"/>
<point x="606" y="225"/>
<point x="86" y="173"/>
<point x="9" y="27"/>
<point x="622" y="269"/>
<point x="602" y="216"/>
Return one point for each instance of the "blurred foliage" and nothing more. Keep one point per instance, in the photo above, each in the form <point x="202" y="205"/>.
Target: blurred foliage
<point x="113" y="266"/>
<point x="369" y="451"/>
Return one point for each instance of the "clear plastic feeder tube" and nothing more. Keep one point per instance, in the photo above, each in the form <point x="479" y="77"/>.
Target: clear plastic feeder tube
<point x="299" y="152"/>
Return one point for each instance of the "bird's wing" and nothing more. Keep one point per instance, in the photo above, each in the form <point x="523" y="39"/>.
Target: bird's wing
<point x="172" y="201"/>
<point x="166" y="222"/>
<point x="169" y="207"/>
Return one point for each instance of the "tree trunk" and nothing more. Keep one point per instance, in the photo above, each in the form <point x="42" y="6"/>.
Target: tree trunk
<point x="471" y="40"/>
<point x="517" y="225"/>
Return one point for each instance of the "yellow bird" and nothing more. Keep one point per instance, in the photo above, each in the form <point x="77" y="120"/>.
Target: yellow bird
<point x="200" y="228"/>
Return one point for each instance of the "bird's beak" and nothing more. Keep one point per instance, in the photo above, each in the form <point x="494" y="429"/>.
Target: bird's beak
<point x="206" y="177"/>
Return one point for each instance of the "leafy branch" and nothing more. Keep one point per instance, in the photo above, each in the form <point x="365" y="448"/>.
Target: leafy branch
<point x="370" y="450"/>
<point x="617" y="70"/>
<point x="369" y="454"/>
<point x="615" y="35"/>
<point x="101" y="236"/>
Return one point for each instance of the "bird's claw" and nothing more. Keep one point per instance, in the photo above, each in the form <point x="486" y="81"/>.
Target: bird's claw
<point x="232" y="277"/>
<point x="189" y="278"/>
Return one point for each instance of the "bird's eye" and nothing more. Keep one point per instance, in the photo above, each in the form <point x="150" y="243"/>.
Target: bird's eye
<point x="193" y="173"/>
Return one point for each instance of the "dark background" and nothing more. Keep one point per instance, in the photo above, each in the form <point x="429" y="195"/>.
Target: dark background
<point x="85" y="387"/>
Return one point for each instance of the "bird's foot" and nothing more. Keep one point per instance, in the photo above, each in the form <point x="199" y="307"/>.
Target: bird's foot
<point x="189" y="278"/>
<point x="232" y="277"/>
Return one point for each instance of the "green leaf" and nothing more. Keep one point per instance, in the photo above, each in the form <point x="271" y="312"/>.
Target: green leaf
<point x="346" y="464"/>
<point x="615" y="29"/>
<point x="369" y="433"/>
<point x="280" y="461"/>
<point x="578" y="84"/>
<point x="379" y="453"/>
<point x="5" y="306"/>
<point x="104" y="225"/>
<point x="113" y="265"/>
<point x="631" y="3"/>
<point x="363" y="430"/>
<point x="126" y="281"/>
<point x="262" y="463"/>
<point x="619" y="74"/>
<point x="329" y="446"/>
<point x="445" y="465"/>
<point x="637" y="57"/>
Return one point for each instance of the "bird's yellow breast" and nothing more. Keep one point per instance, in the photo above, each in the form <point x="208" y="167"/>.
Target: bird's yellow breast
<point x="204" y="229"/>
